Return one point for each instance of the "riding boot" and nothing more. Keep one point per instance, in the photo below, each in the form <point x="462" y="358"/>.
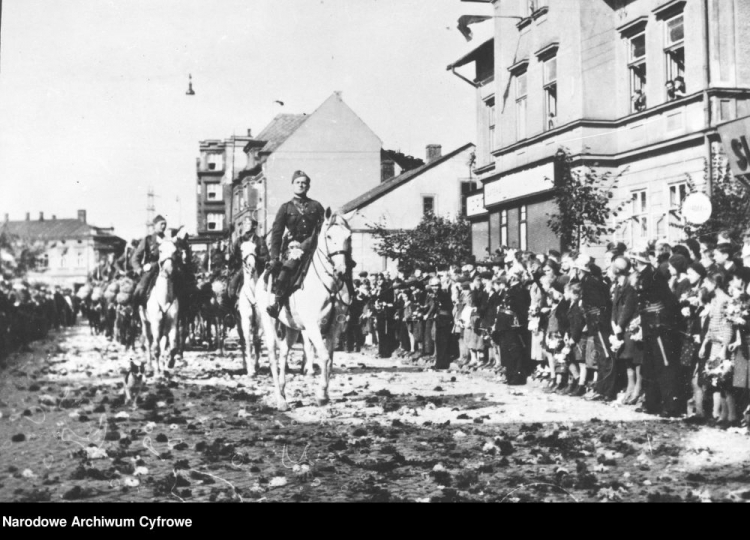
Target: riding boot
<point x="280" y="288"/>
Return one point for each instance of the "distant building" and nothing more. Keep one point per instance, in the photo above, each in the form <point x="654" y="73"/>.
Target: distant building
<point x="72" y="247"/>
<point x="439" y="187"/>
<point x="339" y="152"/>
<point x="628" y="86"/>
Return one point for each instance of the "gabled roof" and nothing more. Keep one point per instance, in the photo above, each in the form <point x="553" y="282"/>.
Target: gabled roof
<point x="279" y="130"/>
<point x="389" y="185"/>
<point x="52" y="229"/>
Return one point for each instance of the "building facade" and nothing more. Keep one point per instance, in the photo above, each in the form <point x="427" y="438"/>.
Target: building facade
<point x="438" y="187"/>
<point x="631" y="87"/>
<point x="71" y="248"/>
<point x="339" y="152"/>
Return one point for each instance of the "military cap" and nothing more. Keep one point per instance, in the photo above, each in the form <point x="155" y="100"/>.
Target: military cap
<point x="159" y="218"/>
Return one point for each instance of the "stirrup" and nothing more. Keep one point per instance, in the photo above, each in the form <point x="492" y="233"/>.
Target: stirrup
<point x="274" y="310"/>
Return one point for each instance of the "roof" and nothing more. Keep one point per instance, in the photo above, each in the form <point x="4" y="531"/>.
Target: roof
<point x="406" y="163"/>
<point x="279" y="130"/>
<point x="389" y="185"/>
<point x="53" y="229"/>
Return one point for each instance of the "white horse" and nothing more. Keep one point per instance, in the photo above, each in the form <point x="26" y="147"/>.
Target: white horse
<point x="160" y="317"/>
<point x="247" y="306"/>
<point x="318" y="309"/>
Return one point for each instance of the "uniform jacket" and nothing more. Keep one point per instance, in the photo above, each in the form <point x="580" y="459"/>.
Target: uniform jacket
<point x="301" y="217"/>
<point x="147" y="252"/>
<point x="624" y="306"/>
<point x="654" y="290"/>
<point x="576" y="322"/>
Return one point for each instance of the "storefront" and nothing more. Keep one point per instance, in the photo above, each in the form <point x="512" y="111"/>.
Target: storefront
<point x="515" y="211"/>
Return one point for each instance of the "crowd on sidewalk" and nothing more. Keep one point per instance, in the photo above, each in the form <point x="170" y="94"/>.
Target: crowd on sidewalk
<point x="29" y="312"/>
<point x="665" y="328"/>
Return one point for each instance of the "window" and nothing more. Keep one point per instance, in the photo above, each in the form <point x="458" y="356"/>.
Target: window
<point x="214" y="192"/>
<point x="639" y="217"/>
<point x="677" y="195"/>
<point x="523" y="228"/>
<point x="428" y="205"/>
<point x="466" y="189"/>
<point x="215" y="221"/>
<point x="215" y="162"/>
<point x="675" y="56"/>
<point x="491" y="123"/>
<point x="637" y="67"/>
<point x="521" y="94"/>
<point x="504" y="228"/>
<point x="63" y="261"/>
<point x="550" y="93"/>
<point x="42" y="263"/>
<point x="80" y="262"/>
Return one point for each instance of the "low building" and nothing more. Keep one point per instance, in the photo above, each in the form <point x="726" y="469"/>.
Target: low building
<point x="72" y="248"/>
<point x="438" y="187"/>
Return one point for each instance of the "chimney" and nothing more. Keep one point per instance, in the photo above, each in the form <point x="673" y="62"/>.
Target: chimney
<point x="249" y="132"/>
<point x="28" y="216"/>
<point x="54" y="217"/>
<point x="434" y="151"/>
<point x="387" y="170"/>
<point x="41" y="216"/>
<point x="7" y="218"/>
<point x="82" y="216"/>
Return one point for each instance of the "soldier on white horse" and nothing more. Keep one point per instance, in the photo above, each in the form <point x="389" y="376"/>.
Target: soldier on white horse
<point x="321" y="241"/>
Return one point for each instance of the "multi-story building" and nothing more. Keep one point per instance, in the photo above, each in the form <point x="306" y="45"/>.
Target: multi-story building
<point x="633" y="87"/>
<point x="339" y="152"/>
<point x="71" y="248"/>
<point x="217" y="167"/>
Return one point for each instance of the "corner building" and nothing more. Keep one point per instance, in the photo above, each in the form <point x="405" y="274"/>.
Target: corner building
<point x="628" y="86"/>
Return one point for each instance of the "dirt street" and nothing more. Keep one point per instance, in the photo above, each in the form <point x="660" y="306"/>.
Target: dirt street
<point x="392" y="433"/>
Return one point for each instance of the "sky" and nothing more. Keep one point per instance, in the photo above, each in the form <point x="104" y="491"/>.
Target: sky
<point x="93" y="109"/>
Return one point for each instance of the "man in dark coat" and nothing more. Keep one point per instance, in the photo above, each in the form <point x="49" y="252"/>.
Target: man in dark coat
<point x="302" y="218"/>
<point x="145" y="259"/>
<point x="659" y="321"/>
<point x="443" y="322"/>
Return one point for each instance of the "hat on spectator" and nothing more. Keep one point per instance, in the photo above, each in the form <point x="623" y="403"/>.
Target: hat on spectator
<point x="486" y="275"/>
<point x="583" y="262"/>
<point x="641" y="256"/>
<point x="551" y="263"/>
<point x="618" y="248"/>
<point x="158" y="219"/>
<point x="679" y="262"/>
<point x="699" y="269"/>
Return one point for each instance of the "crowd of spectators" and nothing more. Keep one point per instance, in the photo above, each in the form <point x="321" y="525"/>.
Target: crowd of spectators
<point x="665" y="328"/>
<point x="29" y="312"/>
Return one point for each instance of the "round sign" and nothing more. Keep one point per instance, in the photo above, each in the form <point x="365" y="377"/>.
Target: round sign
<point x="697" y="208"/>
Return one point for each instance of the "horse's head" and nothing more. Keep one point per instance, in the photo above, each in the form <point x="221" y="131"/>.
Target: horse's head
<point x="168" y="255"/>
<point x="336" y="242"/>
<point x="250" y="249"/>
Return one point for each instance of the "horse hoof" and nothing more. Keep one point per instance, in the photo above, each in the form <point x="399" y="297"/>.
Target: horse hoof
<point x="322" y="402"/>
<point x="283" y="407"/>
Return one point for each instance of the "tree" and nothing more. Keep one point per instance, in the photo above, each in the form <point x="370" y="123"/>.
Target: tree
<point x="730" y="201"/>
<point x="583" y="198"/>
<point x="436" y="242"/>
<point x="17" y="256"/>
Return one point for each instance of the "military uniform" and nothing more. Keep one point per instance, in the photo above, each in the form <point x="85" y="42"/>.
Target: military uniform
<point x="147" y="252"/>
<point x="301" y="218"/>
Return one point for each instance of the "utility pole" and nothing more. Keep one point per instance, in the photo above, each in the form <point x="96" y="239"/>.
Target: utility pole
<point x="1" y="26"/>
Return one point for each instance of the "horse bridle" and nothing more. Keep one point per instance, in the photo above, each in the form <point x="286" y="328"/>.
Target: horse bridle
<point x="329" y="256"/>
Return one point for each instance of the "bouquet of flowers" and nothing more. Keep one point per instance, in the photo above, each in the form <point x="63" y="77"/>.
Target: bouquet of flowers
<point x="718" y="371"/>
<point x="561" y="357"/>
<point x="636" y="332"/>
<point x="615" y="344"/>
<point x="736" y="312"/>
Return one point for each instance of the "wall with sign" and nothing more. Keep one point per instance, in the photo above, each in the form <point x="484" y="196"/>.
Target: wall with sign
<point x="519" y="185"/>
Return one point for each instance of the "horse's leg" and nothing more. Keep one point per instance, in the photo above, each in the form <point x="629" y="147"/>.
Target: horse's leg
<point x="172" y="320"/>
<point x="308" y="367"/>
<point x="271" y="340"/>
<point x="155" y="320"/>
<point x="243" y="330"/>
<point x="257" y="344"/>
<point x="286" y="346"/>
<point x="322" y="350"/>
<point x="146" y="335"/>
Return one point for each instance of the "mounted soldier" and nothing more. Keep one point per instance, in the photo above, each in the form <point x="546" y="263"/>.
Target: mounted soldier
<point x="234" y="260"/>
<point x="123" y="266"/>
<point x="301" y="218"/>
<point x="145" y="259"/>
